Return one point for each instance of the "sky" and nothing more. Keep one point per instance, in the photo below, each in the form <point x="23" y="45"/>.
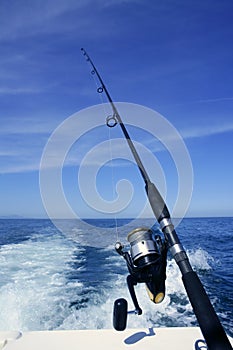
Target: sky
<point x="172" y="57"/>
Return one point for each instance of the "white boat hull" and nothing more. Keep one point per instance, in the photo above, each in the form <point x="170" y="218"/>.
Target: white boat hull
<point x="109" y="339"/>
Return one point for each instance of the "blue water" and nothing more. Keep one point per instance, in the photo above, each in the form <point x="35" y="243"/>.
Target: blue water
<point x="54" y="280"/>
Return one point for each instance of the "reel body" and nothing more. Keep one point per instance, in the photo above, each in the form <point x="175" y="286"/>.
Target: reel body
<point x="146" y="262"/>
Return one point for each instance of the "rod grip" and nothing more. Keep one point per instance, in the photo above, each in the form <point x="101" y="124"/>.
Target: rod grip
<point x="209" y="323"/>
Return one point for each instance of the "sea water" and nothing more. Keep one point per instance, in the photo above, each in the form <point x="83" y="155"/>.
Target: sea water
<point x="51" y="280"/>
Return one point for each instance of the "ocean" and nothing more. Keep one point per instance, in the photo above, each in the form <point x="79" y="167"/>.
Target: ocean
<point x="51" y="280"/>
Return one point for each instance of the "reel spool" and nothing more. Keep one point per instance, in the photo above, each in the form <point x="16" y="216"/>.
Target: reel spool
<point x="143" y="249"/>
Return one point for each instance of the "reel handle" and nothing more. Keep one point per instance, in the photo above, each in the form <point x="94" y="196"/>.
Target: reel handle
<point x="120" y="311"/>
<point x="131" y="283"/>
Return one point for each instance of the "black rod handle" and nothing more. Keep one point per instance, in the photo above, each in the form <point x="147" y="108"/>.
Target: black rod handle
<point x="213" y="332"/>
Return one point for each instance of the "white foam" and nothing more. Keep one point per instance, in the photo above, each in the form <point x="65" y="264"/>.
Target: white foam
<point x="34" y="290"/>
<point x="37" y="294"/>
<point x="200" y="259"/>
<point x="167" y="313"/>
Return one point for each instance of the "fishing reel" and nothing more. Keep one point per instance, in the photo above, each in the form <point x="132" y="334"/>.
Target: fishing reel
<point x="146" y="261"/>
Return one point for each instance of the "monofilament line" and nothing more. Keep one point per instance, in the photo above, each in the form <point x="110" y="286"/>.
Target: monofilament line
<point x="112" y="180"/>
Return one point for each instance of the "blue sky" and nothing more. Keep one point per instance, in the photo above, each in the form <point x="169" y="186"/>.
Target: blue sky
<point x="174" y="57"/>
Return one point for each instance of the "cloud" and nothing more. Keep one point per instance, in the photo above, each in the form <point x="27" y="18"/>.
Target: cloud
<point x="203" y="131"/>
<point x="218" y="99"/>
<point x="19" y="90"/>
<point x="205" y="100"/>
<point x="22" y="145"/>
<point x="25" y="18"/>
<point x="22" y="140"/>
<point x="21" y="127"/>
<point x="17" y="168"/>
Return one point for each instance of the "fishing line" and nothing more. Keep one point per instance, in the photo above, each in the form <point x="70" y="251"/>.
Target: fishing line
<point x="103" y="104"/>
<point x="98" y="89"/>
<point x="113" y="182"/>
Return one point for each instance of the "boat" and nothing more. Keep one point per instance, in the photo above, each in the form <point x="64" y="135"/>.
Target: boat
<point x="184" y="338"/>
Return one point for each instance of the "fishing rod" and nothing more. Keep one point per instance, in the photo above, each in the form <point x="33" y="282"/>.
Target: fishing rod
<point x="146" y="261"/>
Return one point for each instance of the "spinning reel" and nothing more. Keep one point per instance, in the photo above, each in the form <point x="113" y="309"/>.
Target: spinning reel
<point x="146" y="262"/>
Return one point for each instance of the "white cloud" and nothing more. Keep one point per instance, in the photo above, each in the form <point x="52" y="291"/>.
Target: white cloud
<point x="218" y="99"/>
<point x="28" y="18"/>
<point x="23" y="144"/>
<point x="25" y="19"/>
<point x="202" y="131"/>
<point x="19" y="90"/>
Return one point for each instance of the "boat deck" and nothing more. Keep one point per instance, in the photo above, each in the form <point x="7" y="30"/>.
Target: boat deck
<point x="153" y="338"/>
